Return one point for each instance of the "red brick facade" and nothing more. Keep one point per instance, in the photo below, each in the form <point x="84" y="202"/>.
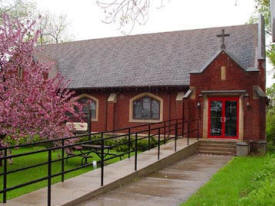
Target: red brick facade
<point x="115" y="114"/>
<point x="236" y="79"/>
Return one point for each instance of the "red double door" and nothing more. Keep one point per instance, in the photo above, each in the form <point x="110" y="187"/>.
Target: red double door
<point x="223" y="116"/>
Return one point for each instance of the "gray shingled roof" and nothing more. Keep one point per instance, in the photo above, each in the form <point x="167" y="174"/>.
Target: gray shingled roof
<point x="160" y="59"/>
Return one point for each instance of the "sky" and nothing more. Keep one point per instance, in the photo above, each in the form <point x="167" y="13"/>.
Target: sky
<point x="85" y="17"/>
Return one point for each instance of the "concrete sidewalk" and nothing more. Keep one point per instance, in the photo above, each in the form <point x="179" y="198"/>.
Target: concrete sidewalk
<point x="167" y="187"/>
<point x="85" y="186"/>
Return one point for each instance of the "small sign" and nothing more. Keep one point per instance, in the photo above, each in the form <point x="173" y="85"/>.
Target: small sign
<point x="78" y="126"/>
<point x="94" y="164"/>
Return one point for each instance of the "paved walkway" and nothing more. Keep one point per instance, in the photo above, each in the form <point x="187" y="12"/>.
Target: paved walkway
<point x="81" y="187"/>
<point x="167" y="187"/>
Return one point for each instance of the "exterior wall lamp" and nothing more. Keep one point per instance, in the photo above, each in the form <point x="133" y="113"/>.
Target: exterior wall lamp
<point x="198" y="104"/>
<point x="199" y="101"/>
<point x="247" y="100"/>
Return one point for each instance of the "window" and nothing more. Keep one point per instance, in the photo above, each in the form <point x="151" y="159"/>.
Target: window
<point x="88" y="104"/>
<point x="146" y="108"/>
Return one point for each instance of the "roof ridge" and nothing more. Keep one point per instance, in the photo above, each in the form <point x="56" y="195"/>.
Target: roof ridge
<point x="145" y="34"/>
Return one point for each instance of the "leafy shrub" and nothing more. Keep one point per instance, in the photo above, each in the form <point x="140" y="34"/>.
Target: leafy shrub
<point x="262" y="187"/>
<point x="12" y="142"/>
<point x="121" y="144"/>
<point x="143" y="144"/>
<point x="270" y="126"/>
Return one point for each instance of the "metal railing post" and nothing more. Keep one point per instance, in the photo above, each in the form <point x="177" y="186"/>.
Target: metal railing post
<point x="176" y="135"/>
<point x="5" y="176"/>
<point x="164" y="130"/>
<point x="129" y="142"/>
<point x="158" y="143"/>
<point x="169" y="129"/>
<point x="188" y="132"/>
<point x="198" y="129"/>
<point x="102" y="159"/>
<point x="49" y="176"/>
<point x="182" y="128"/>
<point x="62" y="161"/>
<point x="89" y="119"/>
<point x="136" y="149"/>
<point x="149" y="136"/>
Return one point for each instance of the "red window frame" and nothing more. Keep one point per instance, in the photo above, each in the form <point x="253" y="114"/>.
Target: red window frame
<point x="223" y="100"/>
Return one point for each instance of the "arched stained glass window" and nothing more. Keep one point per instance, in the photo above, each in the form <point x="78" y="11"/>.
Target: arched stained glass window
<point x="88" y="104"/>
<point x="147" y="108"/>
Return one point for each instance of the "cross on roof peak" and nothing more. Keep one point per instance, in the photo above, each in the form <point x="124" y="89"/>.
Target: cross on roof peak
<point x="223" y="35"/>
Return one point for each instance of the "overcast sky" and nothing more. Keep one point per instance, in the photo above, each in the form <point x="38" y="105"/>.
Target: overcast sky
<point x="85" y="17"/>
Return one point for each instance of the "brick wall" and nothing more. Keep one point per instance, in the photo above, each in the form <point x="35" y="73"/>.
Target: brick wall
<point x="236" y="79"/>
<point x="115" y="115"/>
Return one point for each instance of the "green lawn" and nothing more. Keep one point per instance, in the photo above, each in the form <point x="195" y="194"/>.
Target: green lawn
<point x="39" y="172"/>
<point x="244" y="181"/>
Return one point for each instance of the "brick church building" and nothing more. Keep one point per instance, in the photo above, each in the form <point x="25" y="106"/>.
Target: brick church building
<point x="214" y="74"/>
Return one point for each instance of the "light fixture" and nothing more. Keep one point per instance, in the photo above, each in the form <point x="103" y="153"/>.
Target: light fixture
<point x="247" y="100"/>
<point x="198" y="104"/>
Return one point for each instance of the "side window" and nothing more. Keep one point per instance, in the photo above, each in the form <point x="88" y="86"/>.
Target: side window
<point x="88" y="104"/>
<point x="146" y="108"/>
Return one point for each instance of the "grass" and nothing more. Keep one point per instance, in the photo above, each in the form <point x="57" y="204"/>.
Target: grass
<point x="244" y="181"/>
<point x="41" y="171"/>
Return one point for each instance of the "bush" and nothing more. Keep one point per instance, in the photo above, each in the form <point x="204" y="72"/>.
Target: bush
<point x="262" y="186"/>
<point x="12" y="142"/>
<point x="270" y="126"/>
<point x="122" y="143"/>
<point x="142" y="144"/>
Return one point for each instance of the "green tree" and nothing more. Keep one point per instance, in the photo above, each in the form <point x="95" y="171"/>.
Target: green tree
<point x="270" y="126"/>
<point x="263" y="7"/>
<point x="16" y="8"/>
<point x="270" y="92"/>
<point x="53" y="28"/>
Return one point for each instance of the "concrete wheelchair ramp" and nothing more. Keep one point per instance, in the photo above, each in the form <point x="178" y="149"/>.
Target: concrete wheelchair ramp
<point x="167" y="187"/>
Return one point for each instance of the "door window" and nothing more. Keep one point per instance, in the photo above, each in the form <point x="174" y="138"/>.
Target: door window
<point x="223" y="117"/>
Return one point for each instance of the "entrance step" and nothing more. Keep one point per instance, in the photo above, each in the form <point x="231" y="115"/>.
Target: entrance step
<point x="213" y="144"/>
<point x="220" y="149"/>
<point x="216" y="152"/>
<point x="217" y="147"/>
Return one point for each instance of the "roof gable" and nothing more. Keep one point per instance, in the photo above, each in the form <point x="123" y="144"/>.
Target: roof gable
<point x="234" y="59"/>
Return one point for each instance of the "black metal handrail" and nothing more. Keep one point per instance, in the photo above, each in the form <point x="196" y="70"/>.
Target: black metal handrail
<point x="170" y="129"/>
<point x="85" y="135"/>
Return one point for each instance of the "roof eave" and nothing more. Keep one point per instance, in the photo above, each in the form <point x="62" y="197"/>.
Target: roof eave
<point x="131" y="87"/>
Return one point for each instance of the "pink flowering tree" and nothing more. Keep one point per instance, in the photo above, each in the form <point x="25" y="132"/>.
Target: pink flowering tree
<point x="30" y="102"/>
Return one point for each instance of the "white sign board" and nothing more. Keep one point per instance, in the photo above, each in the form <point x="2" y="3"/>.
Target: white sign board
<point x="272" y="9"/>
<point x="78" y="126"/>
